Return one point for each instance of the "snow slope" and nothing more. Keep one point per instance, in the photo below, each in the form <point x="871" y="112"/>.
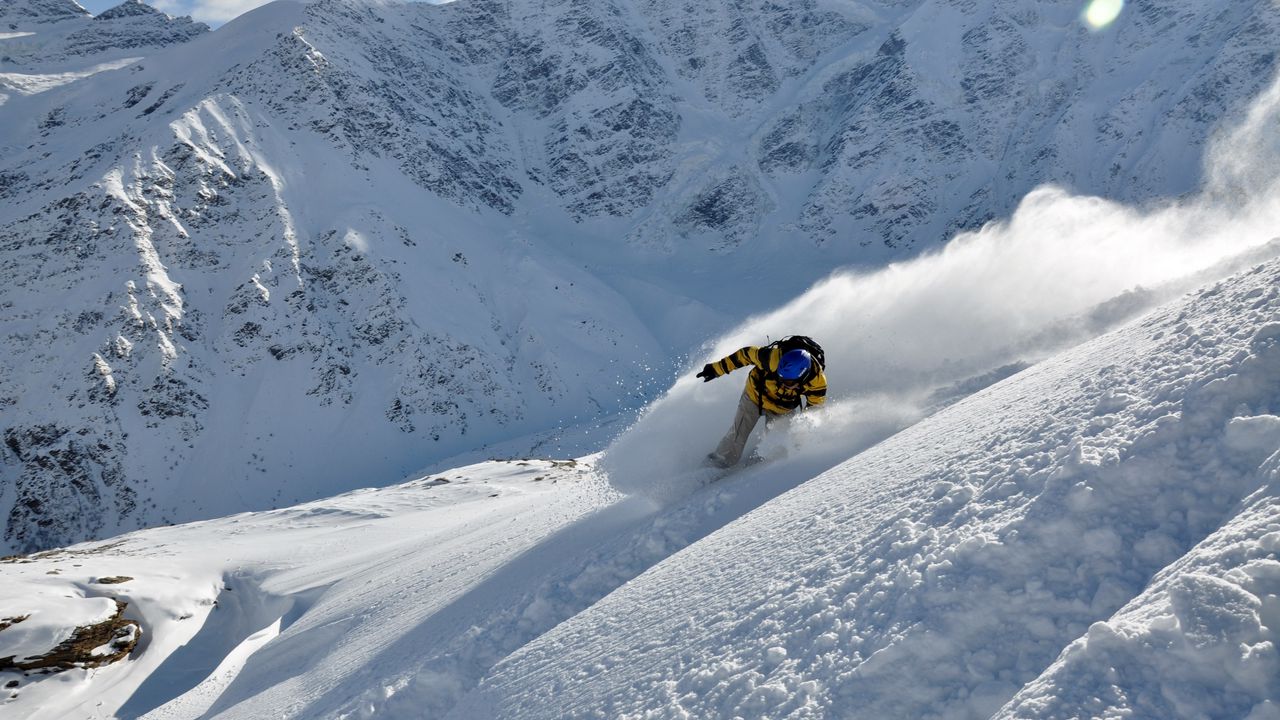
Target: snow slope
<point x="1092" y="537"/>
<point x="1095" y="535"/>
<point x="333" y="243"/>
<point x="332" y="585"/>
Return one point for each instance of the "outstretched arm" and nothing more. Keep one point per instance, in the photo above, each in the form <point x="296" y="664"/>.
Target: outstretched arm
<point x="746" y="356"/>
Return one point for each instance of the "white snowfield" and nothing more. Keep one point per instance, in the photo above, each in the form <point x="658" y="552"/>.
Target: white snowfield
<point x="31" y="83"/>
<point x="1095" y="536"/>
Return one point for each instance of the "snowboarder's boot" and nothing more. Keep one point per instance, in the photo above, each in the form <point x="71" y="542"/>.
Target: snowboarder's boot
<point x="716" y="461"/>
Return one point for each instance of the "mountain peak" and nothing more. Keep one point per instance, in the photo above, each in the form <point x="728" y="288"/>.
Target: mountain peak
<point x="36" y="12"/>
<point x="128" y="8"/>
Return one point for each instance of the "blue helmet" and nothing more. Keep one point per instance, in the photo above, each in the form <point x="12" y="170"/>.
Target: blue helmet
<point x="794" y="364"/>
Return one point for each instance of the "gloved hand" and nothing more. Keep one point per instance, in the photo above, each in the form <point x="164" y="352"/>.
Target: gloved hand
<point x="708" y="373"/>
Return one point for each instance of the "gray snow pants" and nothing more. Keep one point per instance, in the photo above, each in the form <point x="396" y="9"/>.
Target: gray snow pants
<point x="729" y="451"/>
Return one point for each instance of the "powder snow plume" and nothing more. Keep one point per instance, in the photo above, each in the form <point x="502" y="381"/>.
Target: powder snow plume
<point x="904" y="339"/>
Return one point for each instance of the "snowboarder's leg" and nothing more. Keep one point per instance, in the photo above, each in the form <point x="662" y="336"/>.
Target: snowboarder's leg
<point x="773" y="423"/>
<point x="729" y="451"/>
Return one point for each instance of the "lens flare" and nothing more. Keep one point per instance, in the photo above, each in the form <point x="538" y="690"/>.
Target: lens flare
<point x="1101" y="13"/>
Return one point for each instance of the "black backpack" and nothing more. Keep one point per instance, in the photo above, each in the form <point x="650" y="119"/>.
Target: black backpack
<point x="802" y="342"/>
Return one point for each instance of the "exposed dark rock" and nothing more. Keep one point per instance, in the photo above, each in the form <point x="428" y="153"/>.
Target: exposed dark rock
<point x="89" y="646"/>
<point x="113" y="580"/>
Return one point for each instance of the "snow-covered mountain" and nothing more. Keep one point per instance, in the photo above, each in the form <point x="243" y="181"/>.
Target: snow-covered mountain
<point x="41" y="12"/>
<point x="329" y="244"/>
<point x="42" y="36"/>
<point x="1095" y="536"/>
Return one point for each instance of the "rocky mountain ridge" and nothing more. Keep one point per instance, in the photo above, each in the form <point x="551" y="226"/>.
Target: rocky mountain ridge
<point x="54" y="35"/>
<point x="15" y="16"/>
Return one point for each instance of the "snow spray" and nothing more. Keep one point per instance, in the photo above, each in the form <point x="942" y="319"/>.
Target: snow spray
<point x="1063" y="268"/>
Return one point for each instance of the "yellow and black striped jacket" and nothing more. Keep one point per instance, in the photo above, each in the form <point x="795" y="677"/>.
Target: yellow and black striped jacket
<point x="762" y="384"/>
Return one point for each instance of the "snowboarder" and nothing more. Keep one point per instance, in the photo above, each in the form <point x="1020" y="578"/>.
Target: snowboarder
<point x="786" y="376"/>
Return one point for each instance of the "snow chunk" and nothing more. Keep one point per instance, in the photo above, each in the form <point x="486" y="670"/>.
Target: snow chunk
<point x="1212" y="611"/>
<point x="1255" y="438"/>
